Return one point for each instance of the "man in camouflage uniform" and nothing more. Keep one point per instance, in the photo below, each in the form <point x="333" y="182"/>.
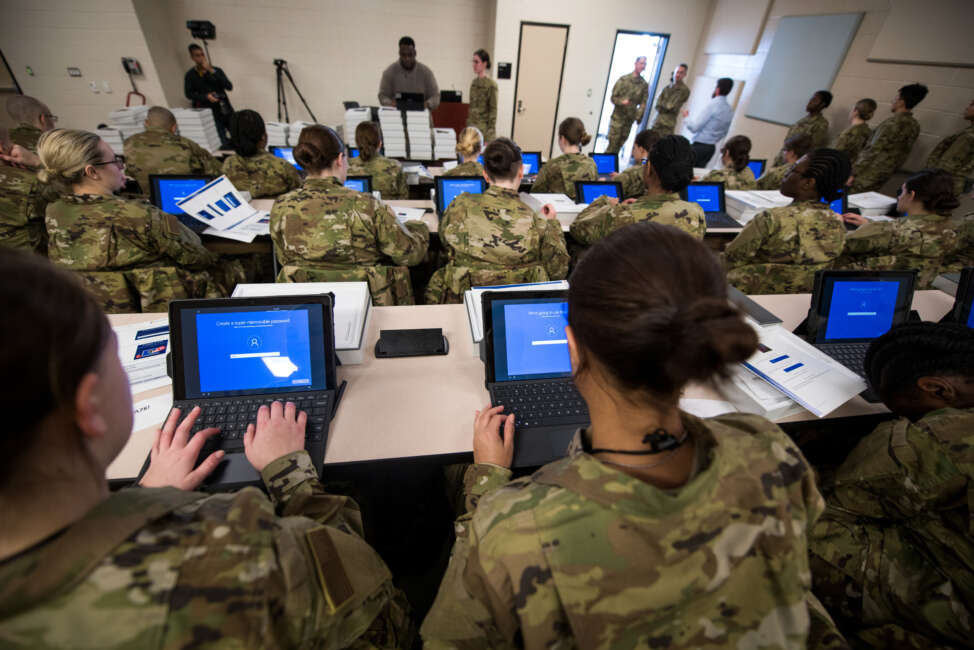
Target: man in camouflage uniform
<point x="161" y="150"/>
<point x="33" y="118"/>
<point x="629" y="95"/>
<point x="671" y="99"/>
<point x="324" y="232"/>
<point x="955" y="153"/>
<point x="891" y="142"/>
<point x="262" y="175"/>
<point x="23" y="201"/>
<point x="814" y="124"/>
<point x="605" y="215"/>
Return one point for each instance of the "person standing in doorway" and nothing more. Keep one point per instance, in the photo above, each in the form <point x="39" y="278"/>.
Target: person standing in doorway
<point x="207" y="87"/>
<point x="629" y="96"/>
<point x="670" y="101"/>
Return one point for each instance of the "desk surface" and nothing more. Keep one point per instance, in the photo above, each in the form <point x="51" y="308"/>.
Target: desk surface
<point x="424" y="406"/>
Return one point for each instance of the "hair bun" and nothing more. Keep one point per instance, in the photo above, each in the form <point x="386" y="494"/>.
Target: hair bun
<point x="586" y="138"/>
<point x="307" y="155"/>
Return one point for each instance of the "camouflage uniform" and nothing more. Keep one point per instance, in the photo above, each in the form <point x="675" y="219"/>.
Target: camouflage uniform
<point x="26" y="136"/>
<point x="387" y="175"/>
<point x="324" y="232"/>
<point x="771" y="178"/>
<point x="853" y="139"/>
<point x="130" y="254"/>
<point x="780" y="249"/>
<point x="668" y="105"/>
<point x="636" y="90"/>
<point x="925" y="242"/>
<point x="163" y="568"/>
<point x="23" y="200"/>
<point x="159" y="151"/>
<point x="601" y="218"/>
<point x="558" y="176"/>
<point x="494" y="238"/>
<point x="261" y="175"/>
<point x="733" y="179"/>
<point x="469" y="168"/>
<point x="483" y="106"/>
<point x="582" y="555"/>
<point x="814" y="125"/>
<point x="631" y="178"/>
<point x="955" y="154"/>
<point x="886" y="152"/>
<point x="893" y="555"/>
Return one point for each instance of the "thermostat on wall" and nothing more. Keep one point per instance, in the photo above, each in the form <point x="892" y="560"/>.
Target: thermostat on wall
<point x="74" y="72"/>
<point x="503" y="70"/>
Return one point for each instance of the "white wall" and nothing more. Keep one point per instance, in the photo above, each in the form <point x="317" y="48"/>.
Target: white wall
<point x="590" y="39"/>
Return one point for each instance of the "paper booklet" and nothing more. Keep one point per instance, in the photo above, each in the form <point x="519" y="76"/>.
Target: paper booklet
<point x="219" y="205"/>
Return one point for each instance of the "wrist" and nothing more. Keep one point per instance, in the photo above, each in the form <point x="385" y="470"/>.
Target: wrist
<point x="283" y="475"/>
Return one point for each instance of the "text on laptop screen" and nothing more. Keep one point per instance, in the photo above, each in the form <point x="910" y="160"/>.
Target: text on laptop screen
<point x="592" y="191"/>
<point x="533" y="160"/>
<point x="177" y="189"/>
<point x="605" y="163"/>
<point x="287" y="153"/>
<point x="757" y="167"/>
<point x="357" y="184"/>
<point x="861" y="310"/>
<point x="452" y="188"/>
<point x="239" y="351"/>
<point x="529" y="339"/>
<point x="706" y="196"/>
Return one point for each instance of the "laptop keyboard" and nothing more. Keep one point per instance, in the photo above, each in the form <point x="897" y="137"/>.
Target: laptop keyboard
<point x="850" y="355"/>
<point x="539" y="404"/>
<point x="721" y="220"/>
<point x="233" y="414"/>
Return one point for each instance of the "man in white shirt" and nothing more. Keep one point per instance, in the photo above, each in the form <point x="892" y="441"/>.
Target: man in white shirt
<point x="710" y="126"/>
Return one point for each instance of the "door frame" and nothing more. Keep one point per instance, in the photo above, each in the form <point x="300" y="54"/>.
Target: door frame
<point x="647" y="110"/>
<point x="561" y="76"/>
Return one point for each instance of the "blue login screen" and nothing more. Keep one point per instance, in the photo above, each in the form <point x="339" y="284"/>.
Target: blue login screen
<point x="757" y="167"/>
<point x="177" y="189"/>
<point x="453" y="188"/>
<point x="357" y="184"/>
<point x="861" y="310"/>
<point x="605" y="163"/>
<point x="592" y="191"/>
<point x="706" y="196"/>
<point x="287" y="153"/>
<point x="533" y="161"/>
<point x="530" y="340"/>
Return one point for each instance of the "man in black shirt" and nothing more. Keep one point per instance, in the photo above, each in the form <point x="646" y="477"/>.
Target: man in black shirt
<point x="206" y="87"/>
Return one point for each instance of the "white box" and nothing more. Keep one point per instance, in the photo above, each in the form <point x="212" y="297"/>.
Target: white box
<point x="872" y="204"/>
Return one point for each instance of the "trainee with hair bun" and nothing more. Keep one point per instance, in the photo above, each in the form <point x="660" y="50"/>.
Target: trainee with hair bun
<point x="252" y="168"/>
<point x="854" y="138"/>
<point x="891" y="557"/>
<point x="780" y="249"/>
<point x="666" y="173"/>
<point x="388" y="178"/>
<point x="925" y="238"/>
<point x="659" y="528"/>
<point x="631" y="178"/>
<point x="470" y="144"/>
<point x="483" y="96"/>
<point x="494" y="238"/>
<point x="558" y="175"/>
<point x="325" y="232"/>
<point x="735" y="174"/>
<point x="794" y="148"/>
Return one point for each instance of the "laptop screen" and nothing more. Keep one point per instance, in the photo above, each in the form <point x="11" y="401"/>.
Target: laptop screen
<point x="533" y="160"/>
<point x="287" y="153"/>
<point x="529" y="338"/>
<point x="359" y="183"/>
<point x="838" y="206"/>
<point x="706" y="195"/>
<point x="249" y="350"/>
<point x="353" y="152"/>
<point x="963" y="309"/>
<point x="606" y="163"/>
<point x="588" y="192"/>
<point x="450" y="187"/>
<point x="757" y="167"/>
<point x="167" y="191"/>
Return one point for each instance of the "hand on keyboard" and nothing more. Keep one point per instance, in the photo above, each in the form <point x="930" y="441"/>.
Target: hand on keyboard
<point x="279" y="431"/>
<point x="489" y="446"/>
<point x="174" y="454"/>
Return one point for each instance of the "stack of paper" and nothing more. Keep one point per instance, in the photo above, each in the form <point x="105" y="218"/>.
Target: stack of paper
<point x="129" y="117"/>
<point x="564" y="205"/>
<point x="276" y="134"/>
<point x="743" y="205"/>
<point x="219" y="205"/>
<point x="444" y="144"/>
<point x="872" y="204"/>
<point x="113" y="137"/>
<point x="419" y="134"/>
<point x="353" y="117"/>
<point x="294" y="131"/>
<point x="408" y="214"/>
<point x="393" y="132"/>
<point x="197" y="124"/>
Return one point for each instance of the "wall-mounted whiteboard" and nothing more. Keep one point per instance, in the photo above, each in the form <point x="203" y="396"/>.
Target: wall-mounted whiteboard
<point x="805" y="56"/>
<point x="936" y="33"/>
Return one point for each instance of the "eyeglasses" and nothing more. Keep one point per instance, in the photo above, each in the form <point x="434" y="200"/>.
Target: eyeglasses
<point x="53" y="118"/>
<point x="119" y="161"/>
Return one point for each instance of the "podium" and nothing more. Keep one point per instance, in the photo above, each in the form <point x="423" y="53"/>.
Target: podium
<point x="452" y="115"/>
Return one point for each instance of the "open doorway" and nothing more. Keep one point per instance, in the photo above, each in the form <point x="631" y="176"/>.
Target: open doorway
<point x="627" y="48"/>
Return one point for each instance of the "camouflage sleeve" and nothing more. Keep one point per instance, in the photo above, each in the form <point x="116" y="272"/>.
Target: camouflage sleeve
<point x="204" y="162"/>
<point x="668" y="101"/>
<point x="480" y="479"/>
<point x="820" y="133"/>
<point x="292" y="179"/>
<point x="823" y="633"/>
<point x="406" y="245"/>
<point x="631" y="180"/>
<point x="871" y="237"/>
<point x="548" y="180"/>
<point x="402" y="188"/>
<point x="643" y="98"/>
<point x="619" y="91"/>
<point x="749" y="241"/>
<point x="933" y="160"/>
<point x="177" y="241"/>
<point x="877" y="147"/>
<point x="594" y="222"/>
<point x="492" y="107"/>
<point x="554" y="252"/>
<point x="956" y="158"/>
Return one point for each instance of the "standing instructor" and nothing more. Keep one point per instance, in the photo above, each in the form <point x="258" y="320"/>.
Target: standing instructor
<point x="207" y="87"/>
<point x="629" y="95"/>
<point x="671" y="99"/>
<point x="407" y="75"/>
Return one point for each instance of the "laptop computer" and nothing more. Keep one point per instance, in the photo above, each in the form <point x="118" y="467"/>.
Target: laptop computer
<point x="287" y="153"/>
<point x="851" y="308"/>
<point x="528" y="371"/>
<point x="410" y="101"/>
<point x="232" y="355"/>
<point x="353" y="152"/>
<point x="605" y="163"/>
<point x="840" y="205"/>
<point x="588" y="191"/>
<point x="166" y="189"/>
<point x="450" y="187"/>
<point x="710" y="197"/>
<point x="533" y="160"/>
<point x="757" y="166"/>
<point x="962" y="311"/>
<point x="359" y="183"/>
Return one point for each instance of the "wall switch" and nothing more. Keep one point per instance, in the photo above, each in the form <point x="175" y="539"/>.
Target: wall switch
<point x="94" y="86"/>
<point x="74" y="72"/>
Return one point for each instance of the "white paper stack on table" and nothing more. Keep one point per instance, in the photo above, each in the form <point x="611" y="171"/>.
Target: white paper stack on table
<point x="408" y="214"/>
<point x="743" y="205"/>
<point x="354" y="117"/>
<point x="567" y="209"/>
<point x="219" y="205"/>
<point x="276" y="133"/>
<point x="130" y="118"/>
<point x="475" y="309"/>
<point x="197" y="124"/>
<point x="419" y="134"/>
<point x="113" y="137"/>
<point x="872" y="204"/>
<point x="444" y="144"/>
<point x="294" y="131"/>
<point x="393" y="132"/>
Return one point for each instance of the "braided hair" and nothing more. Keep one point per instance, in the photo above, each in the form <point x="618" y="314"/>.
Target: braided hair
<point x="898" y="358"/>
<point x="830" y="168"/>
<point x="246" y="130"/>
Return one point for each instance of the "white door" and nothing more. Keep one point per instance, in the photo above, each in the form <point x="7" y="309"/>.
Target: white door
<point x="540" y="61"/>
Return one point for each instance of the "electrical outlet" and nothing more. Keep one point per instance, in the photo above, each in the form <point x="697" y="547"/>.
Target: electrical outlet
<point x="94" y="87"/>
<point x="106" y="87"/>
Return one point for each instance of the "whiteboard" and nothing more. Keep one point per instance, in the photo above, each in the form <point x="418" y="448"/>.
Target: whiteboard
<point x="805" y="56"/>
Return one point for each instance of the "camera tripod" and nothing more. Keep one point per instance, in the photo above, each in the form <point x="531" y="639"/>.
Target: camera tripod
<point x="282" y="71"/>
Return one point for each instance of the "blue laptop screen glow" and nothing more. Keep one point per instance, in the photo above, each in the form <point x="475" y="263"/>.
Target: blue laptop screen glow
<point x="757" y="167"/>
<point x="706" y="196"/>
<point x="529" y="339"/>
<point x="835" y="206"/>
<point x="480" y="159"/>
<point x="861" y="310"/>
<point x="172" y="190"/>
<point x="970" y="317"/>
<point x="533" y="160"/>
<point x="592" y="191"/>
<point x="605" y="163"/>
<point x="353" y="152"/>
<point x="454" y="188"/>
<point x="357" y="184"/>
<point x="287" y="153"/>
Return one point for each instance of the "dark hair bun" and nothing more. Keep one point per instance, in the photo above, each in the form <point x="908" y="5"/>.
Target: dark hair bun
<point x="672" y="159"/>
<point x="246" y="131"/>
<point x="308" y="156"/>
<point x="502" y="159"/>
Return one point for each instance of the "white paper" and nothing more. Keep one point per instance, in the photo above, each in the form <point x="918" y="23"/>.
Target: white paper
<point x="706" y="408"/>
<point x="409" y="214"/>
<point x="217" y="204"/>
<point x="152" y="412"/>
<point x="475" y="308"/>
<point x="449" y="164"/>
<point x="246" y="230"/>
<point x="142" y="349"/>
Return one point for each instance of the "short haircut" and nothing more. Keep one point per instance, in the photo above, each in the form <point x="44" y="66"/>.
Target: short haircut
<point x="825" y="96"/>
<point x="799" y="144"/>
<point x="683" y="65"/>
<point x="407" y="40"/>
<point x="25" y="109"/>
<point x="725" y="85"/>
<point x="913" y="94"/>
<point x="246" y="130"/>
<point x="193" y="47"/>
<point x="865" y="108"/>
<point x="672" y="160"/>
<point x="643" y="57"/>
<point x="160" y="117"/>
<point x="502" y="159"/>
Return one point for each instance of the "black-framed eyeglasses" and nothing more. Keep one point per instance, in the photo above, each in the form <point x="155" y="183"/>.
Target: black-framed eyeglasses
<point x="117" y="160"/>
<point x="53" y="118"/>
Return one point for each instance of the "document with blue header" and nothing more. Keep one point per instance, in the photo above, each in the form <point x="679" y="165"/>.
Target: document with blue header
<point x="219" y="205"/>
